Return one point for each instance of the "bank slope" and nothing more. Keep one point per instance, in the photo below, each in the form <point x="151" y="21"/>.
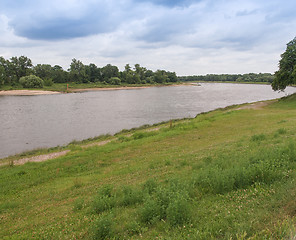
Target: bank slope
<point x="225" y="174"/>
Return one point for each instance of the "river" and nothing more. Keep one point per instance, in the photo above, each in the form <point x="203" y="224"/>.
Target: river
<point x="30" y="122"/>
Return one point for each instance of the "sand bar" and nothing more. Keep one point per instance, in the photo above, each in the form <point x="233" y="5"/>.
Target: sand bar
<point x="26" y="92"/>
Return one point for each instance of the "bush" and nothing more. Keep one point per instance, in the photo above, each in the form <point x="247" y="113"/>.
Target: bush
<point x="104" y="200"/>
<point x="178" y="211"/>
<point x="102" y="203"/>
<point x="114" y="81"/>
<point x="103" y="228"/>
<point x="150" y="211"/>
<point x="48" y="82"/>
<point x="258" y="137"/>
<point x="31" y="81"/>
<point x="131" y="196"/>
<point x="150" y="186"/>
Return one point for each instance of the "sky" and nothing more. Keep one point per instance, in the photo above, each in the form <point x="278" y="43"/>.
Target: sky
<point x="189" y="37"/>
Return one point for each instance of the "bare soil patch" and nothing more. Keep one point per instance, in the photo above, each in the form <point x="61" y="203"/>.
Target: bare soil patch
<point x="256" y="105"/>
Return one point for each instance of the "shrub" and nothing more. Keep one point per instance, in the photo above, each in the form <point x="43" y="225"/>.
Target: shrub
<point x="178" y="211"/>
<point x="103" y="203"/>
<point x="133" y="228"/>
<point x="150" y="186"/>
<point x="31" y="81"/>
<point x="103" y="228"/>
<point x="114" y="81"/>
<point x="106" y="190"/>
<point x="131" y="196"/>
<point x="150" y="211"/>
<point x="48" y="82"/>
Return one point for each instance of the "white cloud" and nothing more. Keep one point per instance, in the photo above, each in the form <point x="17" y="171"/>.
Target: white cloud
<point x="189" y="37"/>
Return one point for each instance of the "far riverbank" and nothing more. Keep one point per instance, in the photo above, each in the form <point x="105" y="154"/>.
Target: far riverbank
<point x="78" y="88"/>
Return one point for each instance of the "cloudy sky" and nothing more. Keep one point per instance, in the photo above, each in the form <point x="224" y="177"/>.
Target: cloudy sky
<point x="188" y="37"/>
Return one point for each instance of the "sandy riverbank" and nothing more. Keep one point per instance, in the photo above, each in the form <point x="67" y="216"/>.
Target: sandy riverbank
<point x="71" y="90"/>
<point x="26" y="92"/>
<point x="43" y="92"/>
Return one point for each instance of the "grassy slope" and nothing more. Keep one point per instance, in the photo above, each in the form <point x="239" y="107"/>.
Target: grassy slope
<point x="224" y="174"/>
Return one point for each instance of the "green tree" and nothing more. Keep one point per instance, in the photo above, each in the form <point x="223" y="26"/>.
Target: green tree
<point x="59" y="75"/>
<point x="93" y="73"/>
<point x="140" y="71"/>
<point x="77" y="72"/>
<point x="19" y="67"/>
<point x="172" y="76"/>
<point x="109" y="71"/>
<point x="286" y="74"/>
<point x="43" y="71"/>
<point x="2" y="75"/>
<point x="160" y="76"/>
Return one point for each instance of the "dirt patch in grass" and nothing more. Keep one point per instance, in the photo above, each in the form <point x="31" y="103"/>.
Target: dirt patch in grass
<point x="257" y="105"/>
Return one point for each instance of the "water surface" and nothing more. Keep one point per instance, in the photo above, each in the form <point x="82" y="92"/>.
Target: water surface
<point x="30" y="122"/>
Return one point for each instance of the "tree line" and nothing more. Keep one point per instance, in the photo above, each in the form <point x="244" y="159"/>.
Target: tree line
<point x="249" y="77"/>
<point x="20" y="70"/>
<point x="15" y="68"/>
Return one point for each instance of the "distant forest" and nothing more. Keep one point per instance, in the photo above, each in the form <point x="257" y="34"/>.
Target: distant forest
<point x="18" y="71"/>
<point x="249" y="77"/>
<point x="13" y="69"/>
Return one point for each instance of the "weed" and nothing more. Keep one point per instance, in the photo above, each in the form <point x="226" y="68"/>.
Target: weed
<point x="168" y="163"/>
<point x="258" y="137"/>
<point x="106" y="190"/>
<point x="77" y="183"/>
<point x="178" y="211"/>
<point x="150" y="212"/>
<point x="281" y="131"/>
<point x="133" y="228"/>
<point x="103" y="228"/>
<point x="78" y="204"/>
<point x="102" y="203"/>
<point x="124" y="139"/>
<point x="150" y="186"/>
<point x="7" y="206"/>
<point x="131" y="196"/>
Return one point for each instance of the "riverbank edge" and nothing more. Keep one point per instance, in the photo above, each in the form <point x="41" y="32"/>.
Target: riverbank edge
<point x="26" y="92"/>
<point x="30" y="92"/>
<point x="42" y="152"/>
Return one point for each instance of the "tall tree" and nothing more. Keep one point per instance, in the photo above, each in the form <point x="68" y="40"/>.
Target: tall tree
<point x="286" y="74"/>
<point x="109" y="71"/>
<point x="77" y="71"/>
<point x="20" y="67"/>
<point x="43" y="71"/>
<point x="93" y="73"/>
<point x="2" y="75"/>
<point x="59" y="75"/>
<point x="3" y="71"/>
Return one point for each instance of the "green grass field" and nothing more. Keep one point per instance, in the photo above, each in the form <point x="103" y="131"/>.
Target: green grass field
<point x="226" y="174"/>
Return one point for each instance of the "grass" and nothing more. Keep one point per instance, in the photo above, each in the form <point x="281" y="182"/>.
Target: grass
<point x="226" y="174"/>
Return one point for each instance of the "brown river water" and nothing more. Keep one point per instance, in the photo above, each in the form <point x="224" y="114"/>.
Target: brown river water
<point x="30" y="122"/>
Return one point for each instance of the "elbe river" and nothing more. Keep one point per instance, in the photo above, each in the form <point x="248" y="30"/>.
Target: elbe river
<point x="30" y="122"/>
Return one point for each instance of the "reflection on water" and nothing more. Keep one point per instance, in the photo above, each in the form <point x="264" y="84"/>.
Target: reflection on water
<point x="30" y="122"/>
